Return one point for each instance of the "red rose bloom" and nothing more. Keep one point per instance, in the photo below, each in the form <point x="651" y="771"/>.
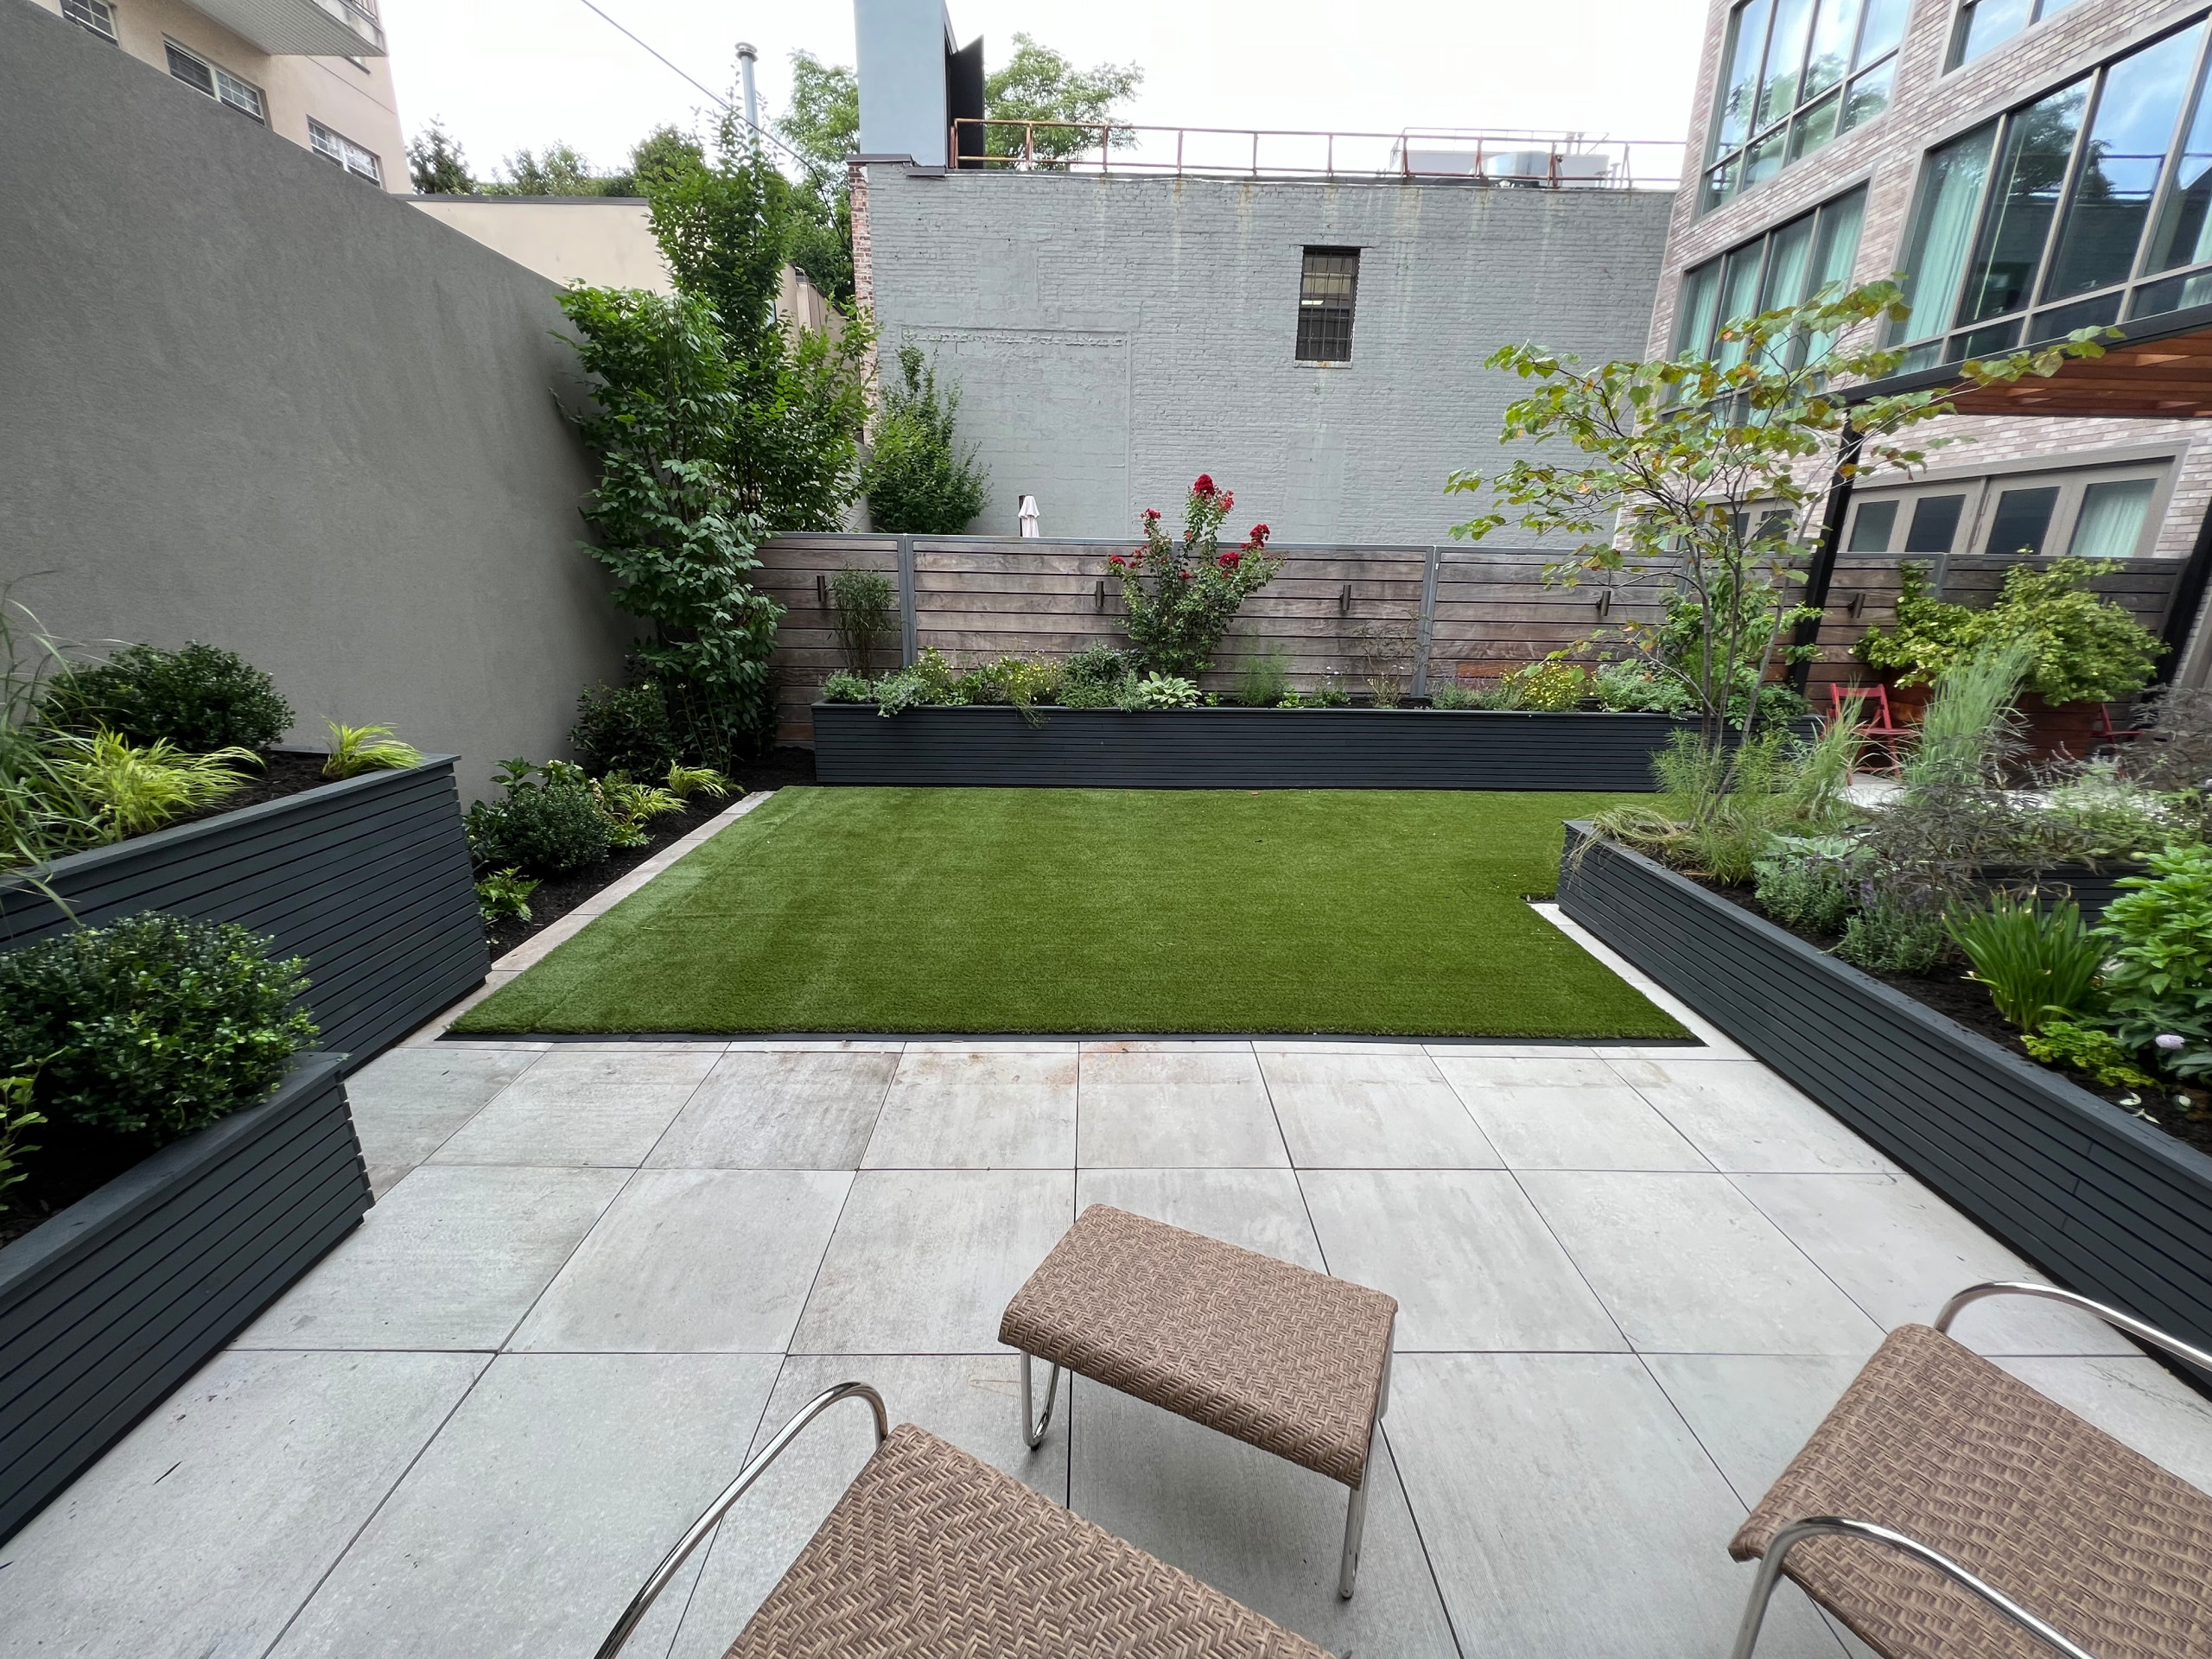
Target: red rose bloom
<point x="1229" y="560"/>
<point x="1152" y="512"/>
<point x="1259" y="535"/>
<point x="1205" y="486"/>
<point x="1228" y="500"/>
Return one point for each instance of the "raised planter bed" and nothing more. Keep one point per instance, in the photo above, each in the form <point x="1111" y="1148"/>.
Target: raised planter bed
<point x="113" y="1302"/>
<point x="368" y="878"/>
<point x="1238" y="748"/>
<point x="2109" y="1206"/>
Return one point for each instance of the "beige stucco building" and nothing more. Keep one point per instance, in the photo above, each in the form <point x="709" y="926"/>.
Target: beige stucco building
<point x="314" y="71"/>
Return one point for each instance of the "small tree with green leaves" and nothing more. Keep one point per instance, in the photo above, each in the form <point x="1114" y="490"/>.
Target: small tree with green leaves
<point x="682" y="551"/>
<point x="437" y="165"/>
<point x="1037" y="84"/>
<point x="918" y="481"/>
<point x="1707" y="478"/>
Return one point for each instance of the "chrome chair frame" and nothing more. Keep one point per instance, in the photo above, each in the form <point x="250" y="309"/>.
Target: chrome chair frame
<point x="754" y="1468"/>
<point x="1815" y="1526"/>
<point x="1034" y="1427"/>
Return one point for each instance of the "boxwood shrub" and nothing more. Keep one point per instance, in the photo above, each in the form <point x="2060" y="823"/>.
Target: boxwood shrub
<point x="201" y="698"/>
<point x="152" y="1026"/>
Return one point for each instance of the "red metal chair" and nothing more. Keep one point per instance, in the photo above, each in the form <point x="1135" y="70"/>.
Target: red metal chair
<point x="1870" y="706"/>
<point x="2105" y="732"/>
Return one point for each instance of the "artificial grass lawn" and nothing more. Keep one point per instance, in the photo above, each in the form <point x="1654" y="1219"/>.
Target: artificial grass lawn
<point x="1388" y="912"/>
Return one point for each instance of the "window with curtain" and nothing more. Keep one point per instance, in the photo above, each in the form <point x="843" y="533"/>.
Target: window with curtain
<point x="1788" y="265"/>
<point x="2084" y="207"/>
<point x="2098" y="513"/>
<point x="1797" y="74"/>
<point x="1984" y="24"/>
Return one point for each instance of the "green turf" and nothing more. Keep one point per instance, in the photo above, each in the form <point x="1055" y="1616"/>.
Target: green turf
<point x="1389" y="912"/>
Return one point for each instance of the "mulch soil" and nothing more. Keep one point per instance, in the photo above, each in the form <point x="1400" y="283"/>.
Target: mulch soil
<point x="557" y="895"/>
<point x="1950" y="992"/>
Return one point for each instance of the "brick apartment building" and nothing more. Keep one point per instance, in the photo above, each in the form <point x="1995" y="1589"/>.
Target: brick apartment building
<point x="2034" y="166"/>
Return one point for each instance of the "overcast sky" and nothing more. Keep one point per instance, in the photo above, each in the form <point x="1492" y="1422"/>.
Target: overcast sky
<point x="506" y="73"/>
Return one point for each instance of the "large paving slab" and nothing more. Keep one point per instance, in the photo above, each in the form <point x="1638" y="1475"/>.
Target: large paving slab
<point x="1632" y="1279"/>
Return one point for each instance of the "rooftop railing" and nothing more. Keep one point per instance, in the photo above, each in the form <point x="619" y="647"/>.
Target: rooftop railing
<point x="1525" y="160"/>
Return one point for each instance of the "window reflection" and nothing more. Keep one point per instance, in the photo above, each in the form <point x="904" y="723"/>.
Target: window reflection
<point x="2137" y="109"/>
<point x="1779" y="100"/>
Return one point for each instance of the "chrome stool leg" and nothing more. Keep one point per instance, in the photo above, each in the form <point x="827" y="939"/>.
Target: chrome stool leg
<point x="1035" y="1434"/>
<point x="1355" y="1510"/>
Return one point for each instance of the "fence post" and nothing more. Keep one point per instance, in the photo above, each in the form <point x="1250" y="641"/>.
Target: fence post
<point x="908" y="633"/>
<point x="1425" y="631"/>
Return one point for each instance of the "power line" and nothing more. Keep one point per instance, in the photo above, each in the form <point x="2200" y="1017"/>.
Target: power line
<point x="640" y="41"/>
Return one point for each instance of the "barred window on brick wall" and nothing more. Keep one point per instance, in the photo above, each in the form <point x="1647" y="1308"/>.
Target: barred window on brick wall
<point x="1799" y="73"/>
<point x="1328" y="289"/>
<point x="2089" y="206"/>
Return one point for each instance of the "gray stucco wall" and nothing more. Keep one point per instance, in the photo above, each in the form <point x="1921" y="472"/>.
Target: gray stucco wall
<point x="1112" y="336"/>
<point x="247" y="398"/>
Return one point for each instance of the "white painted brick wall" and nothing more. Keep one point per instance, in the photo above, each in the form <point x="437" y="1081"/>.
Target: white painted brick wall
<point x="1114" y="336"/>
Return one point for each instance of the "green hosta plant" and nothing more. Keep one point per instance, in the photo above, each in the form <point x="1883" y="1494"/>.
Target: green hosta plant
<point x="1161" y="691"/>
<point x="358" y="749"/>
<point x="151" y="1027"/>
<point x="1181" y="595"/>
<point x="133" y="790"/>
<point x="2158" y="977"/>
<point x="2038" y="965"/>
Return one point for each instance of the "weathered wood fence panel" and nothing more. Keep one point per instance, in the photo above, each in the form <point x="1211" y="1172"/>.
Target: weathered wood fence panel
<point x="1443" y="612"/>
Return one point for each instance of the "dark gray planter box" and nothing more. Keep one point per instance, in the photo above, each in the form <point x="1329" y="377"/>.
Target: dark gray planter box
<point x="368" y="878"/>
<point x="110" y="1305"/>
<point x="1238" y="748"/>
<point x="2111" y="1206"/>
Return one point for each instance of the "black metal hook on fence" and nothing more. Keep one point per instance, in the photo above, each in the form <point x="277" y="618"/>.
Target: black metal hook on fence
<point x="1098" y="599"/>
<point x="821" y="589"/>
<point x="1344" y="601"/>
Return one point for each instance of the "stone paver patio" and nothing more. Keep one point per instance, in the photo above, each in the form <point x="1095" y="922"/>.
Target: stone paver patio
<point x="1631" y="1280"/>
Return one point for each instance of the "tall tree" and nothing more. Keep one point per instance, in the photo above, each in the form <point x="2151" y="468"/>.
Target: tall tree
<point x="822" y="126"/>
<point x="1037" y="84"/>
<point x="724" y="227"/>
<point x="437" y="165"/>
<point x="559" y="170"/>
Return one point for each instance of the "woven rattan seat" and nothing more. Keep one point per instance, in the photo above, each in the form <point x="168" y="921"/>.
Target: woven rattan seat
<point x="932" y="1554"/>
<point x="1934" y="1442"/>
<point x="1282" y="1357"/>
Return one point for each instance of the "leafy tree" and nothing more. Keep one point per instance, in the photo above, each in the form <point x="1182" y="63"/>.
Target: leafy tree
<point x="661" y="155"/>
<point x="801" y="404"/>
<point x="822" y="126"/>
<point x="1037" y="84"/>
<point x="823" y="123"/>
<point x="918" y="481"/>
<point x="436" y="163"/>
<point x="665" y="412"/>
<point x="1709" y="479"/>
<point x="560" y="170"/>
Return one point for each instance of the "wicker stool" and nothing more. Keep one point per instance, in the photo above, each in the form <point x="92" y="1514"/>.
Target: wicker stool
<point x="1280" y="1356"/>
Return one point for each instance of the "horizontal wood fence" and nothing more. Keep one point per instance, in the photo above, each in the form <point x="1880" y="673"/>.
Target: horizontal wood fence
<point x="1416" y="613"/>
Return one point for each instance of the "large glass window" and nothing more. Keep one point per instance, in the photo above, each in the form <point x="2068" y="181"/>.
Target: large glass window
<point x="1787" y="266"/>
<point x="2054" y="217"/>
<point x="2104" y="512"/>
<point x="1799" y="73"/>
<point x="1986" y="23"/>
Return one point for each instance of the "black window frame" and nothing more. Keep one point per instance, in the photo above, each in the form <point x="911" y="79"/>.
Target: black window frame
<point x="1698" y="321"/>
<point x="1327" y="317"/>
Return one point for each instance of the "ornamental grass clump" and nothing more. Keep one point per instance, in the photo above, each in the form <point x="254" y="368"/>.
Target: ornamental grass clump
<point x="1181" y="594"/>
<point x="134" y="790"/>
